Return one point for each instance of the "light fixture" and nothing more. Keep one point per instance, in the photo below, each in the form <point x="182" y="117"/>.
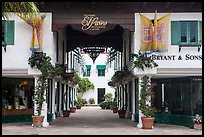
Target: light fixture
<point x="93" y="56"/>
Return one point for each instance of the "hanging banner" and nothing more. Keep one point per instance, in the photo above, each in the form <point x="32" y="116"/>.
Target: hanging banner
<point x="162" y="33"/>
<point x="37" y="24"/>
<point x="146" y="33"/>
<point x="154" y="34"/>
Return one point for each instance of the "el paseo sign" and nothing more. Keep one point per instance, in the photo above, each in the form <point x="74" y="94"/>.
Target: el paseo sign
<point x="176" y="57"/>
<point x="92" y="22"/>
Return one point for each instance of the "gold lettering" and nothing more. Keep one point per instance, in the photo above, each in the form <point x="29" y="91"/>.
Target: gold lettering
<point x="90" y="22"/>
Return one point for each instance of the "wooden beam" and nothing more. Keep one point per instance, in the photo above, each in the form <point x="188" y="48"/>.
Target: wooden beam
<point x="167" y="5"/>
<point x="118" y="5"/>
<point x="93" y="5"/>
<point x="68" y="5"/>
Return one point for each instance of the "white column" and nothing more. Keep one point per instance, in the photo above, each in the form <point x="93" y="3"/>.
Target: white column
<point x="53" y="99"/>
<point x="60" y="98"/>
<point x="139" y="125"/>
<point x="133" y="99"/>
<point x="44" y="112"/>
<point x="64" y="95"/>
<point x="44" y="107"/>
<point x="50" y="96"/>
<point x="68" y="92"/>
<point x="35" y="105"/>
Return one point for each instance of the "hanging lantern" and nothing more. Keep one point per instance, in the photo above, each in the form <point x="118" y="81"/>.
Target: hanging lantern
<point x="93" y="56"/>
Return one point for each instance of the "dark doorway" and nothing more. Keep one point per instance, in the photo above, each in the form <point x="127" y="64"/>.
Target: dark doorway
<point x="101" y="93"/>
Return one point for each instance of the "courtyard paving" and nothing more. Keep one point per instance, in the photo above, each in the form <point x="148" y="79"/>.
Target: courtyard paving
<point x="91" y="120"/>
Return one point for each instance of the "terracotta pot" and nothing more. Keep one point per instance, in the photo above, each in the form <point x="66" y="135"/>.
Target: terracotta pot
<point x="78" y="106"/>
<point x="147" y="122"/>
<point x="115" y="109"/>
<point x="66" y="113"/>
<point x="37" y="120"/>
<point x="198" y="126"/>
<point x="73" y="109"/>
<point x="121" y="113"/>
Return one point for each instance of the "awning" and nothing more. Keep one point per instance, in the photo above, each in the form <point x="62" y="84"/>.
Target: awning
<point x="88" y="67"/>
<point x="101" y="67"/>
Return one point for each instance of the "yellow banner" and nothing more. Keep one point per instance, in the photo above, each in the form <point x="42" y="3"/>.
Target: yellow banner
<point x="162" y="33"/>
<point x="154" y="35"/>
<point x="37" y="24"/>
<point x="146" y="33"/>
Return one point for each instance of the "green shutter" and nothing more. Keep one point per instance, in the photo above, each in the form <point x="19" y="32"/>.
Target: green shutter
<point x="199" y="32"/>
<point x="101" y="67"/>
<point x="175" y="33"/>
<point x="10" y="32"/>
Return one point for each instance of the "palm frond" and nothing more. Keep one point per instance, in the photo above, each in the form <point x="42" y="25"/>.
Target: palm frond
<point x="24" y="9"/>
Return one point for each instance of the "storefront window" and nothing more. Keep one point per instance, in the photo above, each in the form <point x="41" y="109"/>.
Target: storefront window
<point x="182" y="96"/>
<point x="17" y="93"/>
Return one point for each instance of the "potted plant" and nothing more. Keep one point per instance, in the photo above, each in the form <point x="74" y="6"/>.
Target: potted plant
<point x="73" y="108"/>
<point x="66" y="113"/>
<point x="102" y="105"/>
<point x="114" y="106"/>
<point x="141" y="61"/>
<point x="91" y="100"/>
<point x="122" y="112"/>
<point x="197" y="121"/>
<point x="147" y="110"/>
<point x="42" y="62"/>
<point x="77" y="104"/>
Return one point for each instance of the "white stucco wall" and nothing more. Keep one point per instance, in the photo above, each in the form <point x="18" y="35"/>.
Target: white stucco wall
<point x="99" y="82"/>
<point x="16" y="56"/>
<point x="172" y="49"/>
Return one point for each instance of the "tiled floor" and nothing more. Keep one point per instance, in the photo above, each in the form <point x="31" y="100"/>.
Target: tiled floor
<point x="94" y="121"/>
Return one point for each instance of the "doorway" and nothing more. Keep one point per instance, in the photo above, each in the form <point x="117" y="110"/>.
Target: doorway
<point x="101" y="93"/>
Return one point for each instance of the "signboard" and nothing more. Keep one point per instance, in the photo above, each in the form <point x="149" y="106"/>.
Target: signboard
<point x="92" y="22"/>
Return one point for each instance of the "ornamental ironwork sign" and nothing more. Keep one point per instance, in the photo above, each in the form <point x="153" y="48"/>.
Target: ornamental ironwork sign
<point x="92" y="22"/>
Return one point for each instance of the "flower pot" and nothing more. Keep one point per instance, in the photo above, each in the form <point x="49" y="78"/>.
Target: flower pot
<point x="37" y="120"/>
<point x="66" y="113"/>
<point x="115" y="109"/>
<point x="78" y="106"/>
<point x="73" y="109"/>
<point x="147" y="122"/>
<point x="198" y="126"/>
<point x="121" y="113"/>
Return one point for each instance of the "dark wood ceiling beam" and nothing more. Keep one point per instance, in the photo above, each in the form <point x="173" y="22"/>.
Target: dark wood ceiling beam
<point x="118" y="5"/>
<point x="167" y="5"/>
<point x="144" y="5"/>
<point x="68" y="5"/>
<point x="93" y="5"/>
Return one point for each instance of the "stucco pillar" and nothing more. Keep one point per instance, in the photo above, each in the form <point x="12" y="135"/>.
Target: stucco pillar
<point x="68" y="97"/>
<point x="60" y="98"/>
<point x="148" y="102"/>
<point x="65" y="97"/>
<point x="133" y="99"/>
<point x="139" y="125"/>
<point x="53" y="99"/>
<point x="44" y="107"/>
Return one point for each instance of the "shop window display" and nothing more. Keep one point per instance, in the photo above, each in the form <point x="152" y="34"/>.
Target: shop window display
<point x="17" y="94"/>
<point x="180" y="96"/>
